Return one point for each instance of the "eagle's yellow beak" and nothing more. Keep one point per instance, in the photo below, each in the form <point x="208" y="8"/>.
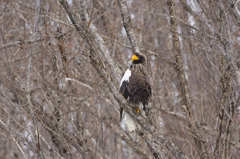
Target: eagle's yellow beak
<point x="135" y="58"/>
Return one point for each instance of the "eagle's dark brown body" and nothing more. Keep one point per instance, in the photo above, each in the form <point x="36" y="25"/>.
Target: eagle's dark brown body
<point x="136" y="89"/>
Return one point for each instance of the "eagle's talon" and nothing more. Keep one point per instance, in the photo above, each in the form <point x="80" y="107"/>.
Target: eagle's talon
<point x="138" y="110"/>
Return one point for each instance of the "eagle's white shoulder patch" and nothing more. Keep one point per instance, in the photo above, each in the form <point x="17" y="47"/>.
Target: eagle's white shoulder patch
<point x="126" y="76"/>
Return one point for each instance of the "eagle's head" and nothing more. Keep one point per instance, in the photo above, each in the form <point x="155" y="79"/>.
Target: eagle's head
<point x="138" y="59"/>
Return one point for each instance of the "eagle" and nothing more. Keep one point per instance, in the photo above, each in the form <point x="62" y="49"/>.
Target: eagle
<point x="134" y="85"/>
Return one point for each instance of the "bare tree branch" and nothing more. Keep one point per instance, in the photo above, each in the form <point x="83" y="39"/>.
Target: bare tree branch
<point x="127" y="24"/>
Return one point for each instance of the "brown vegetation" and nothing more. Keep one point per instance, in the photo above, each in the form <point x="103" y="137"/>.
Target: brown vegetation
<point x="62" y="61"/>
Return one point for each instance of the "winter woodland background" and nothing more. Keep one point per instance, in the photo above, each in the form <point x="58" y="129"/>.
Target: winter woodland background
<point x="61" y="63"/>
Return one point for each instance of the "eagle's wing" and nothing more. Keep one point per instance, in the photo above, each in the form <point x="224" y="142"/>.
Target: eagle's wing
<point x="124" y="84"/>
<point x="124" y="89"/>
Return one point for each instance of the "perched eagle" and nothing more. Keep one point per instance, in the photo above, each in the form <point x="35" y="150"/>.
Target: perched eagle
<point x="134" y="85"/>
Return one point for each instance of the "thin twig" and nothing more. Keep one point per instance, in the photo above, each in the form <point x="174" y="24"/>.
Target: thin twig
<point x="126" y="21"/>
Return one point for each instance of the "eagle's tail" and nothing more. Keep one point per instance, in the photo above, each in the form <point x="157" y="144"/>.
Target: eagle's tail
<point x="121" y="113"/>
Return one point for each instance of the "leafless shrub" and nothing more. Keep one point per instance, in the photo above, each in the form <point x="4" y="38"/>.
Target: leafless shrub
<point x="62" y="62"/>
